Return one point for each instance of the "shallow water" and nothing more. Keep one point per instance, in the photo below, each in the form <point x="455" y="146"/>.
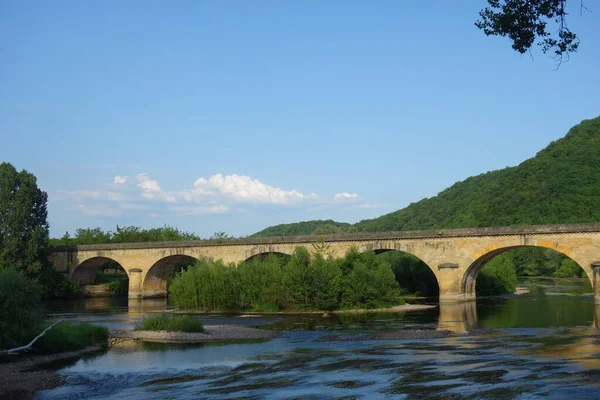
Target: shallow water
<point x="544" y="345"/>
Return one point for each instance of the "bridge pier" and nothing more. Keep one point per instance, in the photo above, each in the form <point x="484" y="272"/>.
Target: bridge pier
<point x="596" y="281"/>
<point x="135" y="283"/>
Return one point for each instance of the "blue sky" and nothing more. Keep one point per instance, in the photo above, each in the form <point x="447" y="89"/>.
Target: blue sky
<point x="233" y="116"/>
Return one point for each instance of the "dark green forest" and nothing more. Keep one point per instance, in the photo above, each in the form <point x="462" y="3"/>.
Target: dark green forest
<point x="306" y="228"/>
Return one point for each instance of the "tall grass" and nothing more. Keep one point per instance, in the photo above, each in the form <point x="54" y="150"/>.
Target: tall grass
<point x="69" y="337"/>
<point x="170" y="322"/>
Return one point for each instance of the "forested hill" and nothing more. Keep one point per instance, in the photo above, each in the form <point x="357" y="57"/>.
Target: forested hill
<point x="561" y="184"/>
<point x="301" y="228"/>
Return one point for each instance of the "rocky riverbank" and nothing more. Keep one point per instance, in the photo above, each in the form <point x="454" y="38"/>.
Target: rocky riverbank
<point x="211" y="333"/>
<point x="22" y="377"/>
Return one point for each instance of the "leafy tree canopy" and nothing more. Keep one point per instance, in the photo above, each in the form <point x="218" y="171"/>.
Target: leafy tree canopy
<point x="317" y="227"/>
<point x="127" y="234"/>
<point x="23" y="221"/>
<point x="525" y="21"/>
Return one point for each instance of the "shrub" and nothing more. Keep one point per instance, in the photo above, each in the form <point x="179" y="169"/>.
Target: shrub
<point x="497" y="277"/>
<point x="305" y="282"/>
<point x="568" y="269"/>
<point x="207" y="284"/>
<point x="170" y="322"/>
<point x="312" y="282"/>
<point x="369" y="283"/>
<point x="21" y="311"/>
<point x="54" y="285"/>
<point x="68" y="337"/>
<point x="261" y="283"/>
<point x="412" y="274"/>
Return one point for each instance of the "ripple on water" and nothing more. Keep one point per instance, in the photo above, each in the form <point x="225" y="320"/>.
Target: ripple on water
<point x="501" y="363"/>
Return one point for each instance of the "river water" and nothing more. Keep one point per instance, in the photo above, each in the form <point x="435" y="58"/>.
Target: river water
<point x="541" y="345"/>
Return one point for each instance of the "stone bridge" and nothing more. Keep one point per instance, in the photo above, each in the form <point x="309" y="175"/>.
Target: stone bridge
<point x="454" y="255"/>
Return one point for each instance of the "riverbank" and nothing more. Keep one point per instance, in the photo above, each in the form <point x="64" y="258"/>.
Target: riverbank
<point x="394" y="309"/>
<point x="25" y="375"/>
<point x="211" y="333"/>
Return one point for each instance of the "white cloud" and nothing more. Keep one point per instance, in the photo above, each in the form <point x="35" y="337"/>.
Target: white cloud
<point x="120" y="179"/>
<point x="151" y="189"/>
<point x="219" y="209"/>
<point x="147" y="184"/>
<point x="346" y="196"/>
<point x="217" y="194"/>
<point x="244" y="188"/>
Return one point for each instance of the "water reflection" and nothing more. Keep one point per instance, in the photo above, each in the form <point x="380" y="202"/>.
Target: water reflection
<point x="458" y="317"/>
<point x="147" y="305"/>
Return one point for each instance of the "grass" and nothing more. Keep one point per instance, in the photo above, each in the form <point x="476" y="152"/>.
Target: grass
<point x="68" y="337"/>
<point x="170" y="322"/>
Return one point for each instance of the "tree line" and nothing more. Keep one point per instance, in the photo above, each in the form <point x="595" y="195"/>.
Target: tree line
<point x="129" y="234"/>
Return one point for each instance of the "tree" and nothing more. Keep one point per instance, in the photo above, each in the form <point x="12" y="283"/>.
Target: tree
<point x="326" y="229"/>
<point x="23" y="221"/>
<point x="497" y="277"/>
<point x="220" y="236"/>
<point x="524" y="21"/>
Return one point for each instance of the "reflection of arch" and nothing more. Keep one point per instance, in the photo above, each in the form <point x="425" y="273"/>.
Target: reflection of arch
<point x="457" y="317"/>
<point x="470" y="276"/>
<point x="86" y="271"/>
<point x="155" y="283"/>
<point x="430" y="273"/>
<point x="261" y="256"/>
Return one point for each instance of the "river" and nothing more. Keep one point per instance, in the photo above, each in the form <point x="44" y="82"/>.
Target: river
<point x="541" y="345"/>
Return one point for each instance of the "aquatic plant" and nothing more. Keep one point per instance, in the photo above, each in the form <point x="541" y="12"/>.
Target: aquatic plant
<point x="170" y="322"/>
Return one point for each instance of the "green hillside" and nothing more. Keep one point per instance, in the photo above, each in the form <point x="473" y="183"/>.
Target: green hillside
<point x="561" y="184"/>
<point x="301" y="228"/>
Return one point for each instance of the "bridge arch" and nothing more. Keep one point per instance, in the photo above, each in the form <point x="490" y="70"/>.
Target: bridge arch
<point x="469" y="279"/>
<point x="262" y="251"/>
<point x="85" y="272"/>
<point x="412" y="273"/>
<point x="266" y="254"/>
<point x="156" y="278"/>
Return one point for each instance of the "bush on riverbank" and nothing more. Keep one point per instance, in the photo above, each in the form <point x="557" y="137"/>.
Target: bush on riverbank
<point x="304" y="282"/>
<point x="22" y="316"/>
<point x="55" y="285"/>
<point x="21" y="311"/>
<point x="69" y="337"/>
<point x="497" y="277"/>
<point x="170" y="322"/>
